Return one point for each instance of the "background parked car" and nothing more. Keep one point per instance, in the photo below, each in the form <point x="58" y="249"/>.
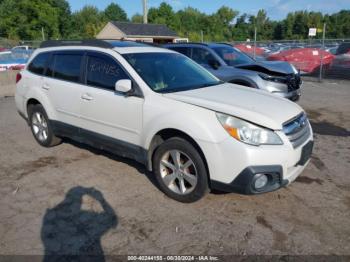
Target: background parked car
<point x="249" y="49"/>
<point x="12" y="60"/>
<point x="231" y="65"/>
<point x="340" y="66"/>
<point x="22" y="47"/>
<point x="332" y="50"/>
<point x="307" y="60"/>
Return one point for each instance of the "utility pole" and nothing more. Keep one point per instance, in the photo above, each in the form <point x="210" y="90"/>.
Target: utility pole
<point x="145" y="12"/>
<point x="202" y="36"/>
<point x="321" y="65"/>
<point x="42" y="33"/>
<point x="254" y="42"/>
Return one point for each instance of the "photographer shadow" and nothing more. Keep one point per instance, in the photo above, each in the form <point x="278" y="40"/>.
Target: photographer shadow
<point x="70" y="233"/>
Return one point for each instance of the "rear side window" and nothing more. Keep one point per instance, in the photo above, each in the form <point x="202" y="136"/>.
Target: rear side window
<point x="183" y="50"/>
<point x="37" y="66"/>
<point x="103" y="71"/>
<point x="66" y="67"/>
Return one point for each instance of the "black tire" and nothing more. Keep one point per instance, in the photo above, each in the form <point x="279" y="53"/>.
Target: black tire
<point x="51" y="139"/>
<point x="201" y="187"/>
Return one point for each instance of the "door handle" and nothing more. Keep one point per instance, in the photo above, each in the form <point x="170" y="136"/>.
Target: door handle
<point x="45" y="86"/>
<point x="86" y="97"/>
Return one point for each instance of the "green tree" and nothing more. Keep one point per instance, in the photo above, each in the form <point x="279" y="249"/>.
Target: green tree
<point x="192" y="20"/>
<point x="87" y="22"/>
<point x="24" y="19"/>
<point x="114" y="12"/>
<point x="226" y="15"/>
<point x="241" y="30"/>
<point x="164" y="14"/>
<point x="221" y="24"/>
<point x="137" y="18"/>
<point x="64" y="18"/>
<point x="339" y="24"/>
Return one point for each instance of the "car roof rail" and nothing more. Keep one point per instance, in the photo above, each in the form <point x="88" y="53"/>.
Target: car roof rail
<point x="85" y="42"/>
<point x="223" y="43"/>
<point x="186" y="43"/>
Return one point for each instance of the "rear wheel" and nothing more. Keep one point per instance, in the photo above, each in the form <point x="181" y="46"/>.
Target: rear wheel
<point x="40" y="126"/>
<point x="180" y="170"/>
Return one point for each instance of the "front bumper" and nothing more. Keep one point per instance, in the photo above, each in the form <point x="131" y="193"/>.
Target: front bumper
<point x="233" y="164"/>
<point x="243" y="183"/>
<point x="289" y="90"/>
<point x="293" y="95"/>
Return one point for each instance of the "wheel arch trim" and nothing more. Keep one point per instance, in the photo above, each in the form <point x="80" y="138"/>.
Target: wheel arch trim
<point x="167" y="133"/>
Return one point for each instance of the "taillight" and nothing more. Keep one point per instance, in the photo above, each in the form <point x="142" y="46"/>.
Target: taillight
<point x="18" y="77"/>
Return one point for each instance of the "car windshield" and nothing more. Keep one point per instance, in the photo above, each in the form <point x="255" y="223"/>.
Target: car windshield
<point x="170" y="72"/>
<point x="232" y="57"/>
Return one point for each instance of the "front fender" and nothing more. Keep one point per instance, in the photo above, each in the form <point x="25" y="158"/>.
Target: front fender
<point x="199" y="123"/>
<point x="244" y="80"/>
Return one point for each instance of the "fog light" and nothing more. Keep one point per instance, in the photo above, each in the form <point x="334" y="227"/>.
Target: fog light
<point x="260" y="181"/>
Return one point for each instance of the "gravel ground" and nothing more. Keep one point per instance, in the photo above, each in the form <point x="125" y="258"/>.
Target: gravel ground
<point x="72" y="198"/>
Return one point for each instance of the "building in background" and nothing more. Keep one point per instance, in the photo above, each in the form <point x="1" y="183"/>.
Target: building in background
<point x="137" y="32"/>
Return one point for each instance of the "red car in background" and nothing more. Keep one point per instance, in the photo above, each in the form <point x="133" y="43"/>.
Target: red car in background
<point x="249" y="49"/>
<point x="307" y="60"/>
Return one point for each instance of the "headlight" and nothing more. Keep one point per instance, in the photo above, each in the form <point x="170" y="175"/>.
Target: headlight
<point x="247" y="132"/>
<point x="272" y="78"/>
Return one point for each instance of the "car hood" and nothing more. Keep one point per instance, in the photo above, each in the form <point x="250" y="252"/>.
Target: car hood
<point x="269" y="67"/>
<point x="252" y="105"/>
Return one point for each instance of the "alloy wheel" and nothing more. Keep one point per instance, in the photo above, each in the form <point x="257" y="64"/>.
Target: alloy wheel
<point x="39" y="125"/>
<point x="178" y="172"/>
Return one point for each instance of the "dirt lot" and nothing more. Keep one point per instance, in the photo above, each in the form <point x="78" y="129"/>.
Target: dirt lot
<point x="72" y="198"/>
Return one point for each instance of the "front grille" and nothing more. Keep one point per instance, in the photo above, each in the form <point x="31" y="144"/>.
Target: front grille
<point x="297" y="130"/>
<point x="293" y="82"/>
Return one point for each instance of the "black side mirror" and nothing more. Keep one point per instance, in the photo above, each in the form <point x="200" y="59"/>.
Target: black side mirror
<point x="214" y="64"/>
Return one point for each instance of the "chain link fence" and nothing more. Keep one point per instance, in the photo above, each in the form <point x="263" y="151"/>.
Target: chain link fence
<point x="9" y="44"/>
<point x="314" y="57"/>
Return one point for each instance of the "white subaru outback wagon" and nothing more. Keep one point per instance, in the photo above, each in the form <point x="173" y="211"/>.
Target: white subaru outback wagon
<point x="161" y="109"/>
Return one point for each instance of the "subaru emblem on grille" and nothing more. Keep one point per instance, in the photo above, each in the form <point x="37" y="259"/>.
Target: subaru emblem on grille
<point x="302" y="122"/>
<point x="297" y="130"/>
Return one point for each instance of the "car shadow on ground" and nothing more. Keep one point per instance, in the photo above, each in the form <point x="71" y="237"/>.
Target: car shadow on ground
<point x="72" y="233"/>
<point x="138" y="166"/>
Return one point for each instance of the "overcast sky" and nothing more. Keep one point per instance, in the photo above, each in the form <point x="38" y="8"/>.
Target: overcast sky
<point x="276" y="9"/>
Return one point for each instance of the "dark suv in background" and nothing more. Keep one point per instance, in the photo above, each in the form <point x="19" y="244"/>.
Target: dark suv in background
<point x="231" y="65"/>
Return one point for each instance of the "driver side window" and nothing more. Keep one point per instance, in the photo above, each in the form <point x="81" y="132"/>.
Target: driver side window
<point x="102" y="71"/>
<point x="202" y="56"/>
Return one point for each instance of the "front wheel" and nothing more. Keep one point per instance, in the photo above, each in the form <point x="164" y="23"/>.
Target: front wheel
<point x="180" y="170"/>
<point x="40" y="126"/>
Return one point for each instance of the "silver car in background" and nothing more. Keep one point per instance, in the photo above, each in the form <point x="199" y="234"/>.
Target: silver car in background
<point x="231" y="65"/>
